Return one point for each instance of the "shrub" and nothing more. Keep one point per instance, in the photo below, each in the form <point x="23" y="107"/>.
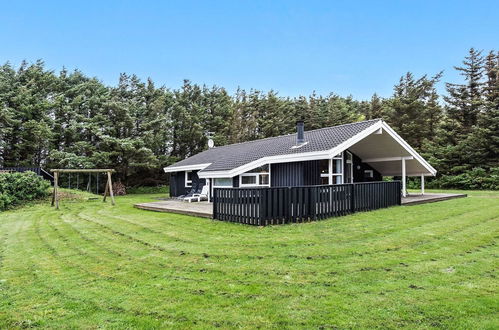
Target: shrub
<point x="149" y="190"/>
<point x="17" y="188"/>
<point x="477" y="178"/>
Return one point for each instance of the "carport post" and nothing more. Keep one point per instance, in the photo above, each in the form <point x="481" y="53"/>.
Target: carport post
<point x="404" y="192"/>
<point x="422" y="184"/>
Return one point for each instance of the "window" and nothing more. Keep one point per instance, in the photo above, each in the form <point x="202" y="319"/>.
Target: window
<point x="368" y="174"/>
<point x="188" y="178"/>
<point x="248" y="179"/>
<point x="222" y="182"/>
<point x="335" y="166"/>
<point x="259" y="176"/>
<point x="348" y="167"/>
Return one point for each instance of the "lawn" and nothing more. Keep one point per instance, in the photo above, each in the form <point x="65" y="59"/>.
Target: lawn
<point x="92" y="265"/>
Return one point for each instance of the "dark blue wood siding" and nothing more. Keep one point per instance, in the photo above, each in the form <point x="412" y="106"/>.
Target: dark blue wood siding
<point x="177" y="183"/>
<point x="358" y="173"/>
<point x="295" y="174"/>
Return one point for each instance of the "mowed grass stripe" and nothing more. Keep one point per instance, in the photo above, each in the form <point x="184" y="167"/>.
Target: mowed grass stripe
<point x="123" y="268"/>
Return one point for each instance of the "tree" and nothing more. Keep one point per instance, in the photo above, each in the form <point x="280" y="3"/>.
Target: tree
<point x="465" y="101"/>
<point x="413" y="110"/>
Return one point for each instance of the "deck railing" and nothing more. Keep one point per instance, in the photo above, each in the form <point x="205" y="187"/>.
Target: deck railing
<point x="280" y="205"/>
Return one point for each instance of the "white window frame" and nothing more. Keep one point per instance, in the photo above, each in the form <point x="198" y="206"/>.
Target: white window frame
<point x="330" y="175"/>
<point x="215" y="186"/>
<point x="371" y="173"/>
<point x="257" y="179"/>
<point x="349" y="162"/>
<point x="188" y="183"/>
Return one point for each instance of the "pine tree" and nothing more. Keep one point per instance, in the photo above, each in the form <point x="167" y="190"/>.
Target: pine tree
<point x="465" y="101"/>
<point x="413" y="110"/>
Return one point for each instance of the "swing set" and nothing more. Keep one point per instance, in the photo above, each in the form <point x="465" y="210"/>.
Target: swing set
<point x="108" y="187"/>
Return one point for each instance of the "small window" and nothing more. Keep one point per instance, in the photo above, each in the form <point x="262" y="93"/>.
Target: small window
<point x="222" y="182"/>
<point x="259" y="176"/>
<point x="368" y="174"/>
<point x="188" y="178"/>
<point x="324" y="166"/>
<point x="264" y="179"/>
<point x="337" y="170"/>
<point x="248" y="179"/>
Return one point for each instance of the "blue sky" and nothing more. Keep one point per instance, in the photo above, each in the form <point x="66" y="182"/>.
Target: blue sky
<point x="294" y="47"/>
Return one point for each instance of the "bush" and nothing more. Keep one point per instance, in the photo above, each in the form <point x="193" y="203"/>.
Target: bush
<point x="477" y="178"/>
<point x="18" y="188"/>
<point x="149" y="190"/>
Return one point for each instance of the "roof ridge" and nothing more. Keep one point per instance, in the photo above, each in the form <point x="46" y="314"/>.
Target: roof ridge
<point x="290" y="134"/>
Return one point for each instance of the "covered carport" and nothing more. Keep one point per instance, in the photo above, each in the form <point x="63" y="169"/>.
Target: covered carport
<point x="390" y="155"/>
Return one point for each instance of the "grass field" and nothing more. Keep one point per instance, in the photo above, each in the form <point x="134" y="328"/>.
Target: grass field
<point x="92" y="265"/>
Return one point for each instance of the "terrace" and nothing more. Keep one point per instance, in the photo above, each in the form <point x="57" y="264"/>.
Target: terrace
<point x="263" y="206"/>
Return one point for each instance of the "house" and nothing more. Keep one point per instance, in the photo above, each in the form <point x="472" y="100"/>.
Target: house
<point x="357" y="152"/>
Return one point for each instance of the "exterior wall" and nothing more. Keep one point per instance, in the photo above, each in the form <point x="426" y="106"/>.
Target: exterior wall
<point x="292" y="174"/>
<point x="358" y="173"/>
<point x="307" y="173"/>
<point x="177" y="183"/>
<point x="295" y="174"/>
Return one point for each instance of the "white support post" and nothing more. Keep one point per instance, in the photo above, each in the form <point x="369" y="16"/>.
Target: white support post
<point x="330" y="177"/>
<point x="404" y="188"/>
<point x="208" y="181"/>
<point x="422" y="184"/>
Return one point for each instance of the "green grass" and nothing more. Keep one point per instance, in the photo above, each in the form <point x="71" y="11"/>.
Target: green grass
<point x="92" y="265"/>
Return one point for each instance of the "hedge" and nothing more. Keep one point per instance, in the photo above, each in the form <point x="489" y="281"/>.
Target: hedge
<point x="19" y="188"/>
<point x="475" y="179"/>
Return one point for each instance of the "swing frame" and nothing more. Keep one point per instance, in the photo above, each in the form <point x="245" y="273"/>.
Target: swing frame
<point x="57" y="172"/>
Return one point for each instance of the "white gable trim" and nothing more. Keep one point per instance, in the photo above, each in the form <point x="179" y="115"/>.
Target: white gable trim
<point x="409" y="149"/>
<point x="170" y="169"/>
<point x="375" y="128"/>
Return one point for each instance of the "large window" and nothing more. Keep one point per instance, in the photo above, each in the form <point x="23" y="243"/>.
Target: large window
<point x="222" y="182"/>
<point x="259" y="176"/>
<point x="188" y="178"/>
<point x="332" y="170"/>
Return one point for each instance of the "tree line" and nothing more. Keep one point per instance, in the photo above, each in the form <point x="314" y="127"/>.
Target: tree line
<point x="70" y="120"/>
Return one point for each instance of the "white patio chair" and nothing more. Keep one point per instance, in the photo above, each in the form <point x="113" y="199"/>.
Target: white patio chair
<point x="198" y="197"/>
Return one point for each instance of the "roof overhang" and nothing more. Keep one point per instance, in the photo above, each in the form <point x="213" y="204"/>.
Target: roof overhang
<point x="171" y="169"/>
<point x="421" y="166"/>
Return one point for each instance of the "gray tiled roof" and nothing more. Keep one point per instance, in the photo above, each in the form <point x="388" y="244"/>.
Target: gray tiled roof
<point x="235" y="155"/>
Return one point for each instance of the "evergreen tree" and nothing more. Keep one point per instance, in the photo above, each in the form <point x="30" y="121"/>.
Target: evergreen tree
<point x="465" y="101"/>
<point x="414" y="111"/>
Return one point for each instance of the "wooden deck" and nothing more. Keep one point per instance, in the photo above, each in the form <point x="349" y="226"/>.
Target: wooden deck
<point x="205" y="209"/>
<point x="414" y="199"/>
<point x="198" y="209"/>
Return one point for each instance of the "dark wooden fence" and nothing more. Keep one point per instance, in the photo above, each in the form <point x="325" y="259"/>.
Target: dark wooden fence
<point x="280" y="205"/>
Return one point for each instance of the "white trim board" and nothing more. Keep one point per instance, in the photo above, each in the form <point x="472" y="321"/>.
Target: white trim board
<point x="186" y="168"/>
